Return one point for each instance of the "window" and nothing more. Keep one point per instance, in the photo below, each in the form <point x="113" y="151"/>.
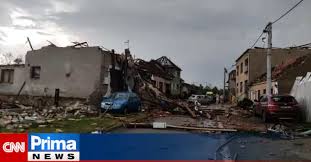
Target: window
<point x="245" y="85"/>
<point x="237" y="88"/>
<point x="264" y="91"/>
<point x="237" y="70"/>
<point x="241" y="87"/>
<point x="246" y="65"/>
<point x="284" y="99"/>
<point x="259" y="95"/>
<point x="35" y="72"/>
<point x="241" y="67"/>
<point x="7" y="76"/>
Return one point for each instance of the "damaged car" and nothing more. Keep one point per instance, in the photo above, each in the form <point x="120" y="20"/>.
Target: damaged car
<point x="121" y="102"/>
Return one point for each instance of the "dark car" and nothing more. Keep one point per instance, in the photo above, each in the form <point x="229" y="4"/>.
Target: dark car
<point x="121" y="102"/>
<point x="280" y="107"/>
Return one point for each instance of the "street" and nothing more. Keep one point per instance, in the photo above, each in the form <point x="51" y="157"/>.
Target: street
<point x="243" y="146"/>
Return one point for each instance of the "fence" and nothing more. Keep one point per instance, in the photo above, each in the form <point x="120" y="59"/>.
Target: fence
<point x="301" y="90"/>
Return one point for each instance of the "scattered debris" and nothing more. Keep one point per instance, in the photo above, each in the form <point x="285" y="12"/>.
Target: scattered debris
<point x="15" y="115"/>
<point x="164" y="125"/>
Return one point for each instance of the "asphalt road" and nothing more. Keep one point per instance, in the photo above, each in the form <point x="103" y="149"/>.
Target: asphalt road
<point x="226" y="146"/>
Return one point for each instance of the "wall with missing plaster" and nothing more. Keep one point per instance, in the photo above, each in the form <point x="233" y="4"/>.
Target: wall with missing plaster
<point x="77" y="72"/>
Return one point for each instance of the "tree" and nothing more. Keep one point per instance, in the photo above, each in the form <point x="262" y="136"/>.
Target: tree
<point x="18" y="60"/>
<point x="8" y="58"/>
<point x="215" y="90"/>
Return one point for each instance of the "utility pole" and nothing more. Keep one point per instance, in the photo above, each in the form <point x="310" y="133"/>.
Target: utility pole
<point x="127" y="43"/>
<point x="268" y="30"/>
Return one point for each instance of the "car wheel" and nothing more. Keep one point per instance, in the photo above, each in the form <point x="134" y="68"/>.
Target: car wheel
<point x="264" y="117"/>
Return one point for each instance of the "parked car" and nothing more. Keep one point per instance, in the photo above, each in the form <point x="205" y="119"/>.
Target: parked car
<point x="121" y="102"/>
<point x="202" y="99"/>
<point x="280" y="106"/>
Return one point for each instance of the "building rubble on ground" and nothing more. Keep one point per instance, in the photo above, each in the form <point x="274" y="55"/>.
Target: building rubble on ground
<point x="61" y="82"/>
<point x="56" y="83"/>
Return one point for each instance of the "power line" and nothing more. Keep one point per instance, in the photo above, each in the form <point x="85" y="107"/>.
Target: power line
<point x="257" y="40"/>
<point x="277" y="21"/>
<point x="287" y="12"/>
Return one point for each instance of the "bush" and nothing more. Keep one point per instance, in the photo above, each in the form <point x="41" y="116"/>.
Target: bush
<point x="245" y="103"/>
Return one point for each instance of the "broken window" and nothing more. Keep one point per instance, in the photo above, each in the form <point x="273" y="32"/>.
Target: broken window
<point x="7" y="76"/>
<point x="35" y="72"/>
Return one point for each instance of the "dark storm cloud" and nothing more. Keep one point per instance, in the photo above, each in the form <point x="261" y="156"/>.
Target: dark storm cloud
<point x="201" y="36"/>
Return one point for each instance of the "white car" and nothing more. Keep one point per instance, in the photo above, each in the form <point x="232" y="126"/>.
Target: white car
<point x="202" y="99"/>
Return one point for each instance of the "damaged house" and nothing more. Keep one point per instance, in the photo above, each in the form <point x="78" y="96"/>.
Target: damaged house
<point x="253" y="63"/>
<point x="73" y="71"/>
<point x="154" y="72"/>
<point x="162" y="74"/>
<point x="172" y="69"/>
<point x="283" y="77"/>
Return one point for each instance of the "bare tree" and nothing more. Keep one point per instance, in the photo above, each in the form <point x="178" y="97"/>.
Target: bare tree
<point x="8" y="58"/>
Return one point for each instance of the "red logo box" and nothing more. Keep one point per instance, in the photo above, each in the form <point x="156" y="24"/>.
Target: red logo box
<point x="13" y="147"/>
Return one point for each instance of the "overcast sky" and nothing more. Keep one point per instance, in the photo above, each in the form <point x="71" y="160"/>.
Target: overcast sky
<point x="201" y="36"/>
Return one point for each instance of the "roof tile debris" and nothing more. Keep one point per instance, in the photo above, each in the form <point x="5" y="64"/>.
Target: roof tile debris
<point x="281" y="69"/>
<point x="153" y="67"/>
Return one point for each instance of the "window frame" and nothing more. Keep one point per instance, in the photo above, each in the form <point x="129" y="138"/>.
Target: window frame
<point x="32" y="72"/>
<point x="10" y="77"/>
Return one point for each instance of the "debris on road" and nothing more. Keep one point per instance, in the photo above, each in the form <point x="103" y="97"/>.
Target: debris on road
<point x="167" y="126"/>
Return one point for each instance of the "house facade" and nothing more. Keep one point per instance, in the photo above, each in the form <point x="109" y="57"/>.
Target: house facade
<point x="75" y="72"/>
<point x="252" y="63"/>
<point x="174" y="70"/>
<point x="232" y="84"/>
<point x="154" y="72"/>
<point x="283" y="77"/>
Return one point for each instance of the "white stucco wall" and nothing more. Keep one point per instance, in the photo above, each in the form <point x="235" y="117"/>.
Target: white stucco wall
<point x="83" y="64"/>
<point x="302" y="92"/>
<point x="19" y="78"/>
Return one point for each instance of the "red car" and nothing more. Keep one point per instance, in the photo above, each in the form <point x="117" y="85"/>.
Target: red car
<point x="280" y="107"/>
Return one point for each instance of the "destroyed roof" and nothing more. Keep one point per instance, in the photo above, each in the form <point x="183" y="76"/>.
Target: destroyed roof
<point x="166" y="62"/>
<point x="279" y="70"/>
<point x="153" y="67"/>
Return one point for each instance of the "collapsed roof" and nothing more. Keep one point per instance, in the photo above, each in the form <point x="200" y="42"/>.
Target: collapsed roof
<point x="280" y="70"/>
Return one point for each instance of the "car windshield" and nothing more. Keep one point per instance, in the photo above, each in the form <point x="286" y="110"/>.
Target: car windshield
<point x="120" y="96"/>
<point x="284" y="99"/>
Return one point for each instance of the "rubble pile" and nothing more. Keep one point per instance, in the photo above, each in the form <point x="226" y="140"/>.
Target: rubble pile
<point x="21" y="117"/>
